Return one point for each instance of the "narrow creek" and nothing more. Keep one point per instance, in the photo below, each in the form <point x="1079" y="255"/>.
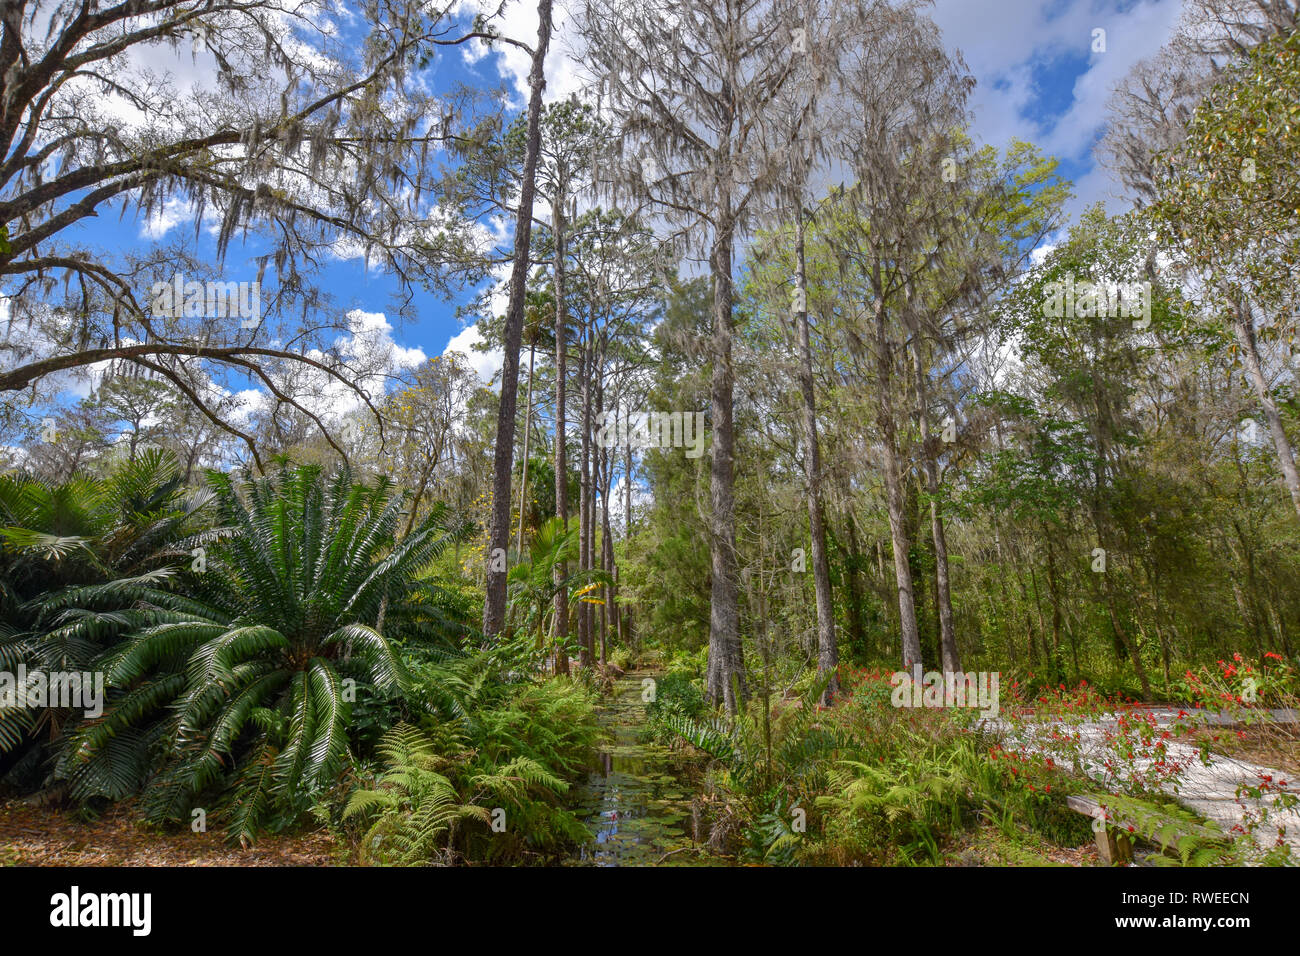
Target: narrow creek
<point x="637" y="802"/>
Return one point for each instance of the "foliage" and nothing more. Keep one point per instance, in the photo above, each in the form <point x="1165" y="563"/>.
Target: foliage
<point x="489" y="788"/>
<point x="62" y="543"/>
<point x="1227" y="193"/>
<point x="240" y="688"/>
<point x="676" y="696"/>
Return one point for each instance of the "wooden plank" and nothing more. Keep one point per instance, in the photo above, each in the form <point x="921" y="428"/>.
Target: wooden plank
<point x="1115" y="845"/>
<point x="1082" y="804"/>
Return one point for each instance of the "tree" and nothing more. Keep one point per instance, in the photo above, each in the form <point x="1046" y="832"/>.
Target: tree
<point x="494" y="606"/>
<point x="692" y="88"/>
<point x="571" y="139"/>
<point x="980" y="242"/>
<point x="904" y="111"/>
<point x="422" y="420"/>
<point x="666" y="566"/>
<point x="144" y="404"/>
<point x="613" y="303"/>
<point x="1093" y="353"/>
<point x="1226" y="208"/>
<point x="310" y="140"/>
<point x="66" y="442"/>
<point x="1152" y="105"/>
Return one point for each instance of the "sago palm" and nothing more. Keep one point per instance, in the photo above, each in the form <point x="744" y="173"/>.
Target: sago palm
<point x="56" y="540"/>
<point x="243" y="686"/>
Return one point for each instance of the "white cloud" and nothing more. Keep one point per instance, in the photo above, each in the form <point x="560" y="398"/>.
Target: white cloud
<point x="372" y="334"/>
<point x="370" y="346"/>
<point x="247" y="402"/>
<point x="163" y="220"/>
<point x="1006" y="43"/>
<point x="1040" y="254"/>
<point x="518" y="21"/>
<point x="1138" y="33"/>
<point x="486" y="364"/>
<point x="373" y="358"/>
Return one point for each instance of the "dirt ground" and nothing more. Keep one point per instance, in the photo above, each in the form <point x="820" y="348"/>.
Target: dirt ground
<point x="42" y="836"/>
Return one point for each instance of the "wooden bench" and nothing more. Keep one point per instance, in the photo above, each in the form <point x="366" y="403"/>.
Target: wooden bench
<point x="1115" y="845"/>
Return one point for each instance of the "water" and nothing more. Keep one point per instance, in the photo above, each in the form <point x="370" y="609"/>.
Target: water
<point x="637" y="803"/>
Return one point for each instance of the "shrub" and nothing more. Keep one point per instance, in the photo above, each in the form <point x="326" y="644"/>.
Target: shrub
<point x="446" y="784"/>
<point x="676" y="695"/>
<point x="237" y="688"/>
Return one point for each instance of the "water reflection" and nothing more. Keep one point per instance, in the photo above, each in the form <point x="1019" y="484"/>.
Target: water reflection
<point x="637" y="803"/>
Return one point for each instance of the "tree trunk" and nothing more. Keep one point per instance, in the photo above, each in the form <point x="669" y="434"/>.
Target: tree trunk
<point x="420" y="488"/>
<point x="1126" y="641"/>
<point x="606" y="555"/>
<point x="1054" y="591"/>
<point x="857" y="627"/>
<point x="600" y="486"/>
<point x="726" y="675"/>
<point x="625" y="612"/>
<point x="827" y="652"/>
<point x="929" y="455"/>
<point x="561" y="465"/>
<point x="528" y="422"/>
<point x="494" y="604"/>
<point x="584" y="499"/>
<point x="1042" y="621"/>
<point x="911" y="635"/>
<point x="1244" y="327"/>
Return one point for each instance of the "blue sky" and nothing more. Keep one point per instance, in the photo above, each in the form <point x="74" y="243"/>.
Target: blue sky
<point x="1039" y="78"/>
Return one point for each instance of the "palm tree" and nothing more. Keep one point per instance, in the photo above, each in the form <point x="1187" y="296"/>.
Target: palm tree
<point x="56" y="540"/>
<point x="245" y="682"/>
<point x="532" y="584"/>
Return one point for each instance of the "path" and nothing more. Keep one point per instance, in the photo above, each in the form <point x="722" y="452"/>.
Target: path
<point x="45" y="836"/>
